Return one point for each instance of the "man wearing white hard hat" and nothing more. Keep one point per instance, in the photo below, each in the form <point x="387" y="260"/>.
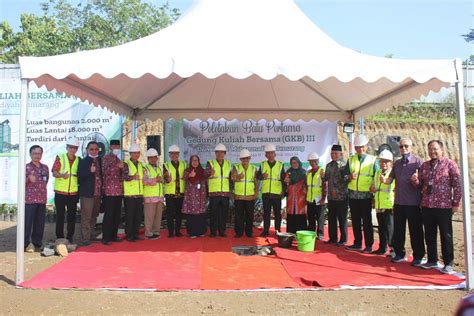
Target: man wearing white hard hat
<point x="66" y="188"/>
<point x="153" y="195"/>
<point x="337" y="197"/>
<point x="360" y="170"/>
<point x="133" y="193"/>
<point x="384" y="198"/>
<point x="272" y="175"/>
<point x="173" y="172"/>
<point x="244" y="176"/>
<point x="219" y="170"/>
<point x="315" y="195"/>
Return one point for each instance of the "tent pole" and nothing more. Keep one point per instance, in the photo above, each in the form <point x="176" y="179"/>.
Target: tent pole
<point x="466" y="201"/>
<point x="20" y="224"/>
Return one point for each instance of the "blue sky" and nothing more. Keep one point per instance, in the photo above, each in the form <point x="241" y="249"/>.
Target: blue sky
<point x="415" y="29"/>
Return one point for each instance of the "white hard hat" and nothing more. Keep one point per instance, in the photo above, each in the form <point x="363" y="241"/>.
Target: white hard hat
<point x="134" y="148"/>
<point x="313" y="156"/>
<point x="220" y="147"/>
<point x="151" y="152"/>
<point x="73" y="141"/>
<point x="386" y="154"/>
<point x="173" y="149"/>
<point x="244" y="153"/>
<point x="361" y="140"/>
<point x="270" y="147"/>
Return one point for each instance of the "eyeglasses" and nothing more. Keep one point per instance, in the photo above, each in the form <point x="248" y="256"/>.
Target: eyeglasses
<point x="404" y="146"/>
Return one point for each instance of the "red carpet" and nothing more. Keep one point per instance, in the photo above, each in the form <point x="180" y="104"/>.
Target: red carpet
<point x="208" y="264"/>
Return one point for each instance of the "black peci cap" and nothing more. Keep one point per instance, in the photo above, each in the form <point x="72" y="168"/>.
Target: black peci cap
<point x="336" y="148"/>
<point x="114" y="142"/>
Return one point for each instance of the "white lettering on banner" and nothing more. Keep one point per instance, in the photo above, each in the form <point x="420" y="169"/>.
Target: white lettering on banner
<point x="291" y="138"/>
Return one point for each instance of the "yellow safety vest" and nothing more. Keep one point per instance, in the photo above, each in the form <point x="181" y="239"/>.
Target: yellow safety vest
<point x="133" y="187"/>
<point x="69" y="185"/>
<point x="385" y="194"/>
<point x="170" y="188"/>
<point x="314" y="183"/>
<point x="245" y="186"/>
<point x="364" y="171"/>
<point x="273" y="184"/>
<point x="155" y="190"/>
<point x="220" y="181"/>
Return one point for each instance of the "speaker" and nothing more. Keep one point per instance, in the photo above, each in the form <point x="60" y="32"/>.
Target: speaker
<point x="154" y="141"/>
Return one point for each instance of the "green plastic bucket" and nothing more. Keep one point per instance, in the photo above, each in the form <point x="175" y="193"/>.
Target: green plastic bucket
<point x="306" y="239"/>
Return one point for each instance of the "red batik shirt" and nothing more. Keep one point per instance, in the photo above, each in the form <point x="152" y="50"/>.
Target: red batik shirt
<point x="36" y="192"/>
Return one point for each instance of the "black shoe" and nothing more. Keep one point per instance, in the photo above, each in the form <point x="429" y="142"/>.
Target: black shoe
<point x="398" y="259"/>
<point x="106" y="242"/>
<point x="212" y="235"/>
<point x="238" y="235"/>
<point x="264" y="234"/>
<point x="223" y="235"/>
<point x="170" y="235"/>
<point x="131" y="239"/>
<point x="341" y="243"/>
<point x="380" y="252"/>
<point x="249" y="235"/>
<point x="367" y="250"/>
<point x="329" y="242"/>
<point x="117" y="239"/>
<point x="178" y="234"/>
<point x="354" y="248"/>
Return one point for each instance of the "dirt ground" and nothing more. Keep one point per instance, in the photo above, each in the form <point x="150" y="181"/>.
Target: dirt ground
<point x="347" y="302"/>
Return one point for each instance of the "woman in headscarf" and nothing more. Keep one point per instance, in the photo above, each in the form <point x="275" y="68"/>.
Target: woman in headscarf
<point x="195" y="198"/>
<point x="295" y="180"/>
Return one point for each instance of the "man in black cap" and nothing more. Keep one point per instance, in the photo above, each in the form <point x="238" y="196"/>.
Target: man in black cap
<point x="112" y="166"/>
<point x="337" y="197"/>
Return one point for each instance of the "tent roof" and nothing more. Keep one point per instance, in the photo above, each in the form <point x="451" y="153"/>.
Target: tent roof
<point x="239" y="59"/>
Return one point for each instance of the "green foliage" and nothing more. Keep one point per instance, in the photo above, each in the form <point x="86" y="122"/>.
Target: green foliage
<point x="65" y="28"/>
<point x="469" y="37"/>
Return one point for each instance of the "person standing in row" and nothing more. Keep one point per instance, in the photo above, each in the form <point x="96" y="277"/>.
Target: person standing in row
<point x="272" y="174"/>
<point x="316" y="196"/>
<point x="337" y="197"/>
<point x="133" y="192"/>
<point x="37" y="176"/>
<point x="295" y="180"/>
<point x="112" y="167"/>
<point x="361" y="169"/>
<point x="195" y="198"/>
<point x="153" y="196"/>
<point x="440" y="182"/>
<point x="66" y="188"/>
<point x="219" y="190"/>
<point x="244" y="176"/>
<point x="407" y="205"/>
<point x="174" y="191"/>
<point x="384" y="198"/>
<point x="89" y="176"/>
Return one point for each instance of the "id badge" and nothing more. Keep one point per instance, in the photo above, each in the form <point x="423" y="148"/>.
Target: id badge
<point x="199" y="186"/>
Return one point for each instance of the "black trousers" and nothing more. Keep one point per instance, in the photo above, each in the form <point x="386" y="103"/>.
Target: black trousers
<point x="244" y="217"/>
<point x="219" y="207"/>
<point x="112" y="214"/>
<point x="133" y="215"/>
<point x="442" y="218"/>
<point x="337" y="212"/>
<point x="295" y="223"/>
<point x="412" y="214"/>
<point x="34" y="223"/>
<point x="62" y="202"/>
<point x="385" y="223"/>
<point x="361" y="214"/>
<point x="316" y="216"/>
<point x="268" y="204"/>
<point x="174" y="217"/>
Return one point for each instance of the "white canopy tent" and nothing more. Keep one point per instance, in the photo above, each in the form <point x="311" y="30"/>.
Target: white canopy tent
<point x="241" y="59"/>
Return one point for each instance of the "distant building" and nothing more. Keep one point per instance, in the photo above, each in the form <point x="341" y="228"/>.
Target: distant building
<point x="5" y="136"/>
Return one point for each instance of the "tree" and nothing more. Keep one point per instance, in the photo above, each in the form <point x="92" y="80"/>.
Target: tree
<point x="65" y="28"/>
<point x="469" y="37"/>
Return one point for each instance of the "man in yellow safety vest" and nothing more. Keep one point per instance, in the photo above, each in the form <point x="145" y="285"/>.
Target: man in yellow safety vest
<point x="219" y="170"/>
<point x="153" y="196"/>
<point x="133" y="193"/>
<point x="173" y="171"/>
<point x="244" y="176"/>
<point x="315" y="195"/>
<point x="272" y="175"/>
<point x="66" y="188"/>
<point x="360" y="170"/>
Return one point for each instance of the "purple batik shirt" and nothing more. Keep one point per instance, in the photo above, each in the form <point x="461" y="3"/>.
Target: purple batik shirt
<point x="405" y="192"/>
